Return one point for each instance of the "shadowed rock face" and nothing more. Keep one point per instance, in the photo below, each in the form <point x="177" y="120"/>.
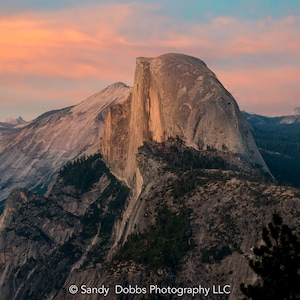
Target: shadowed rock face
<point x="175" y="95"/>
<point x="76" y="235"/>
<point x="73" y="235"/>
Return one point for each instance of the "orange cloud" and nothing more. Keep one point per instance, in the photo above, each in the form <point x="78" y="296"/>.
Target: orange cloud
<point x="100" y="42"/>
<point x="266" y="92"/>
<point x="37" y="44"/>
<point x="78" y="39"/>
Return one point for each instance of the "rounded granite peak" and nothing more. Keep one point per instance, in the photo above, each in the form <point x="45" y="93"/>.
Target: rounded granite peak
<point x="176" y="95"/>
<point x="178" y="57"/>
<point x="179" y="96"/>
<point x="176" y="63"/>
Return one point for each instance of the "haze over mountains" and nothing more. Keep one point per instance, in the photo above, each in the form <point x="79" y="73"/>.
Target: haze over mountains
<point x="159" y="183"/>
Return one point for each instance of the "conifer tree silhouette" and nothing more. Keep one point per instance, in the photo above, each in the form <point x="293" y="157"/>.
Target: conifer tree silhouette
<point x="277" y="263"/>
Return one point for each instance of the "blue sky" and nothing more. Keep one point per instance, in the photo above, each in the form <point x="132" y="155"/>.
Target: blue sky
<point x="187" y="10"/>
<point x="57" y="53"/>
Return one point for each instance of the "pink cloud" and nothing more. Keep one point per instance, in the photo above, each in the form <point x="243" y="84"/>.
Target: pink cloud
<point x="256" y="59"/>
<point x="273" y="93"/>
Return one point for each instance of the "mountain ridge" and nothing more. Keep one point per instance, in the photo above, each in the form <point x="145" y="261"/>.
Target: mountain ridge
<point x="31" y="156"/>
<point x="71" y="234"/>
<point x="192" y="115"/>
<point x="161" y="183"/>
<point x="279" y="145"/>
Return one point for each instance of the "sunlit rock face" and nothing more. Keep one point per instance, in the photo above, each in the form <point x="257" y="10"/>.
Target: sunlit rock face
<point x="176" y="95"/>
<point x="76" y="234"/>
<point x="31" y="156"/>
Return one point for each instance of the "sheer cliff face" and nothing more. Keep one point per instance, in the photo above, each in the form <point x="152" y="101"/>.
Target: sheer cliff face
<point x="78" y="233"/>
<point x="176" y="95"/>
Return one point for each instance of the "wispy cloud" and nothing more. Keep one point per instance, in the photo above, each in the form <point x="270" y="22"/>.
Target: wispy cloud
<point x="92" y="45"/>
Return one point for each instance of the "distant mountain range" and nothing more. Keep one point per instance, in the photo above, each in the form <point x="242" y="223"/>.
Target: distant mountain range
<point x="278" y="139"/>
<point x="10" y="123"/>
<point x="263" y="120"/>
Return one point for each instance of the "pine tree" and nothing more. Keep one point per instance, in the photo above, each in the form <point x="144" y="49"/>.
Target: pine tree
<point x="277" y="263"/>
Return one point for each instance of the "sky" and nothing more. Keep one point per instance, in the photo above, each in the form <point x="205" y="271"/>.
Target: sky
<point x="57" y="53"/>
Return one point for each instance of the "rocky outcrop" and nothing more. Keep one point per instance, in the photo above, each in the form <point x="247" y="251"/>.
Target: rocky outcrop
<point x="180" y="143"/>
<point x="212" y="217"/>
<point x="31" y="156"/>
<point x="175" y="95"/>
<point x="44" y="239"/>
